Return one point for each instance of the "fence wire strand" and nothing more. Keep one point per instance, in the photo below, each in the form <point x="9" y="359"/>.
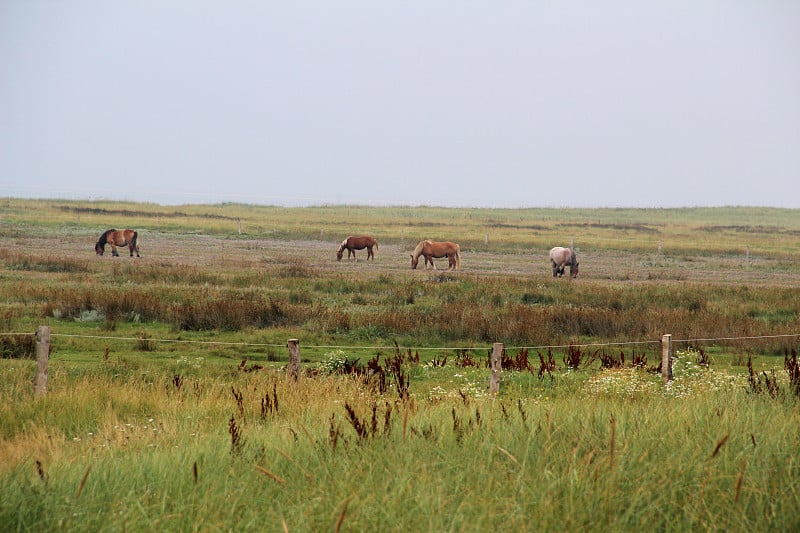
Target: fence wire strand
<point x="440" y="348"/>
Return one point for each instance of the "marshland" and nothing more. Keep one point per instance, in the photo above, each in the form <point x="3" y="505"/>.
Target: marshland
<point x="168" y="405"/>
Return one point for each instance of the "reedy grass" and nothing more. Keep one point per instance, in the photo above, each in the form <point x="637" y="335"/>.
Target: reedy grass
<point x="713" y="458"/>
<point x="474" y="310"/>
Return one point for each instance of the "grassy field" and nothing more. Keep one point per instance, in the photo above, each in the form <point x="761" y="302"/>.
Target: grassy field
<point x="168" y="405"/>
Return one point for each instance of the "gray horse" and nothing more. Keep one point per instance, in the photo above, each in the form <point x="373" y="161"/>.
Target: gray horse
<point x="560" y="257"/>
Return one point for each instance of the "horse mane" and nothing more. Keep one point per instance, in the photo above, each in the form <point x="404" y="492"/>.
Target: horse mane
<point x="104" y="237"/>
<point x="420" y="246"/>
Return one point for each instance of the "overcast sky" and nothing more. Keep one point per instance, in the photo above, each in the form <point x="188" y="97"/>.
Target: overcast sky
<point x="459" y="103"/>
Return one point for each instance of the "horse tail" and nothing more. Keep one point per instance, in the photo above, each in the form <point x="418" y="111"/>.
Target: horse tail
<point x="376" y="246"/>
<point x="135" y="240"/>
<point x="458" y="256"/>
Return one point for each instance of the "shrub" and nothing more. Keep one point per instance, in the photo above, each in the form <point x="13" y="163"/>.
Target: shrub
<point x="336" y="362"/>
<point x="17" y="346"/>
<point x="91" y="315"/>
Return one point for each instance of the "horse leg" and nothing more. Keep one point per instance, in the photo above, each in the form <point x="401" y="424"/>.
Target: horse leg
<point x="114" y="251"/>
<point x="369" y="253"/>
<point x="555" y="269"/>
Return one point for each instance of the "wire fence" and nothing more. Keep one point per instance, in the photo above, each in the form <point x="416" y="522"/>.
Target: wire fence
<point x="707" y="340"/>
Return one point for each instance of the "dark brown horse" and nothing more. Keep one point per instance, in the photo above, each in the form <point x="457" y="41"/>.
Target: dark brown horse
<point x="431" y="250"/>
<point x="351" y="244"/>
<point x="561" y="257"/>
<point x="118" y="237"/>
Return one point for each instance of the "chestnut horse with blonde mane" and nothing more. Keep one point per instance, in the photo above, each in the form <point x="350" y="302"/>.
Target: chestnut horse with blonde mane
<point x="114" y="237"/>
<point x="560" y="257"/>
<point x="351" y="244"/>
<point x="431" y="250"/>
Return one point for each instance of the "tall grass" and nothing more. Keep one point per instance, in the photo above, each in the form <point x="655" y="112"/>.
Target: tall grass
<point x="438" y="310"/>
<point x="143" y="450"/>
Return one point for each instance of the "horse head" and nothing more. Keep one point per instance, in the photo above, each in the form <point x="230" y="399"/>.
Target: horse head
<point x="573" y="269"/>
<point x="340" y="251"/>
<point x="100" y="247"/>
<point x="417" y="252"/>
<point x="573" y="263"/>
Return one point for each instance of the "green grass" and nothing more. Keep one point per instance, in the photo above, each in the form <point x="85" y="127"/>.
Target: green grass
<point x="118" y="448"/>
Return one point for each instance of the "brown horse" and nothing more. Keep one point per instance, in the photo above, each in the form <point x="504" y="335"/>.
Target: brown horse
<point x="435" y="250"/>
<point x="351" y="244"/>
<point x="561" y="257"/>
<point x="114" y="237"/>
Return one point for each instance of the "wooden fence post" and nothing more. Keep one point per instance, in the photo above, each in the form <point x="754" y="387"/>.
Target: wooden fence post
<point x="239" y="225"/>
<point x="294" y="358"/>
<point x="666" y="357"/>
<point x="42" y="359"/>
<point x="494" y="380"/>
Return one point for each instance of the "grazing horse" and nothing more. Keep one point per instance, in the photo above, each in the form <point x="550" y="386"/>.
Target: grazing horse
<point x="561" y="257"/>
<point x="351" y="244"/>
<point x="435" y="250"/>
<point x="121" y="237"/>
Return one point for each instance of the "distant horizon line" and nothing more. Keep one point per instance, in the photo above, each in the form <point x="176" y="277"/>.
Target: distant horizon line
<point x="387" y="205"/>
